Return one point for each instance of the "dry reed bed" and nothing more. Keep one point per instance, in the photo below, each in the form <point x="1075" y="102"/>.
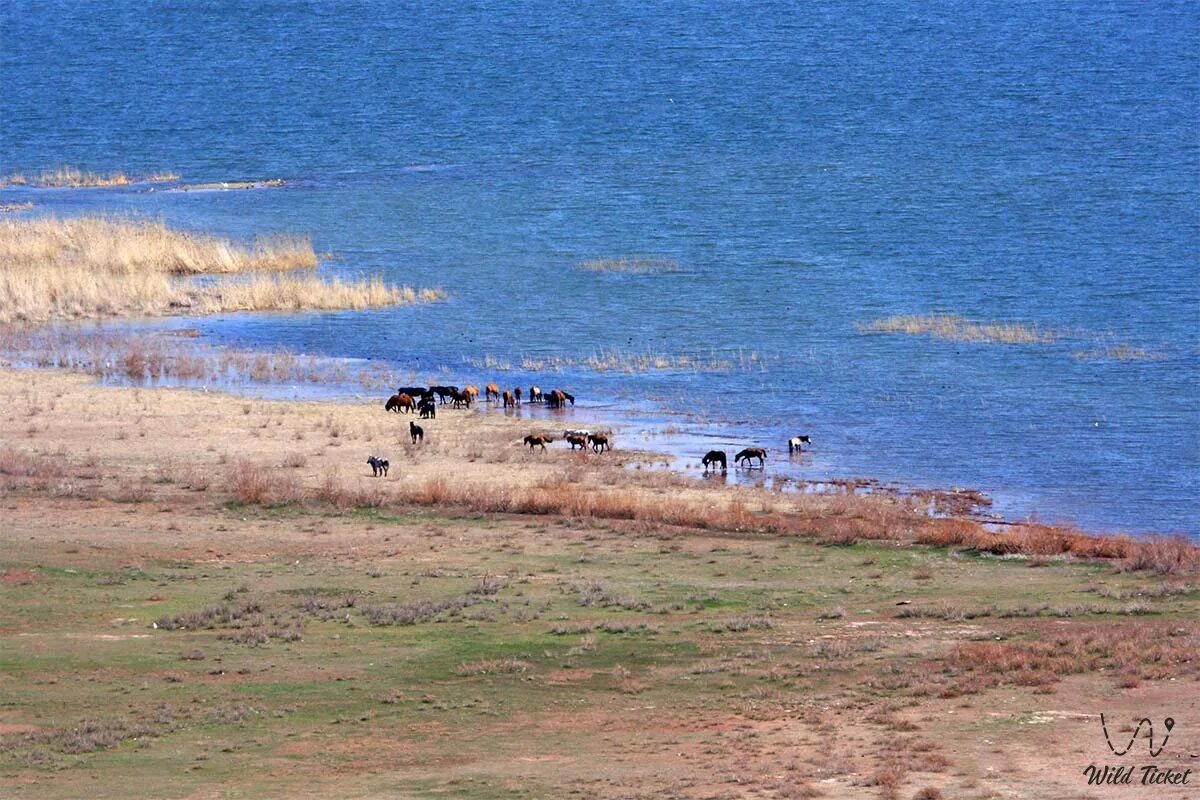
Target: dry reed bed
<point x="101" y="267"/>
<point x="829" y="518"/>
<point x="953" y="328"/>
<point x="69" y="177"/>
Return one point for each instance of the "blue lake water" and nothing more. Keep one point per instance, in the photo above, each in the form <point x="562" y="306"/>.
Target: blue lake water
<point x="808" y="168"/>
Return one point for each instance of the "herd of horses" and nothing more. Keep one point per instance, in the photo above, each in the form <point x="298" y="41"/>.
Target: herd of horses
<point x="425" y="400"/>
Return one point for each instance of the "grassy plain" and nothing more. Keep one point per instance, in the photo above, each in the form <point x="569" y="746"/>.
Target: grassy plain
<point x="208" y="596"/>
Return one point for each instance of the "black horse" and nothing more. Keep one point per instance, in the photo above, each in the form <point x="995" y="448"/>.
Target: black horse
<point x="379" y="466"/>
<point x="714" y="457"/>
<point x="428" y="408"/>
<point x="417" y="432"/>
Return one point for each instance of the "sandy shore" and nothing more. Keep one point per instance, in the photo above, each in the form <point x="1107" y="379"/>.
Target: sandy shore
<point x="207" y="595"/>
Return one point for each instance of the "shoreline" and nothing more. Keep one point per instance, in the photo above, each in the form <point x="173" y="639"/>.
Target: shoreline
<point x="480" y="443"/>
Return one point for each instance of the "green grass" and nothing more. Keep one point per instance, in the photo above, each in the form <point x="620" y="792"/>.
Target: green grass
<point x="384" y="707"/>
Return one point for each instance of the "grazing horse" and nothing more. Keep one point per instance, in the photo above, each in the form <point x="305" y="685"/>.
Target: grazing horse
<point x="379" y="466"/>
<point x="574" y="441"/>
<point x="428" y="408"/>
<point x="535" y="394"/>
<point x="471" y="392"/>
<point x="491" y="392"/>
<point x="796" y="444"/>
<point x="416" y="431"/>
<point x="556" y="399"/>
<point x="749" y="453"/>
<point x="714" y="457"/>
<point x="400" y="402"/>
<point x="537" y="440"/>
<point x="509" y="400"/>
<point x="460" y="399"/>
<point x="517" y="394"/>
<point x="599" y="442"/>
<point x="444" y="393"/>
<point x="568" y="396"/>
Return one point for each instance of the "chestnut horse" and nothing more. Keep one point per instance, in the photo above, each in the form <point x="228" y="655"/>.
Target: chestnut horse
<point x="471" y="392"/>
<point x="749" y="453"/>
<point x="577" y="441"/>
<point x="400" y="402"/>
<point x="599" y="442"/>
<point x="509" y="400"/>
<point x="491" y="392"/>
<point x="537" y="440"/>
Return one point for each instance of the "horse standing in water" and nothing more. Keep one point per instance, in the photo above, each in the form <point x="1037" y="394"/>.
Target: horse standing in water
<point x="517" y="394"/>
<point x="491" y="392"/>
<point x="796" y="444"/>
<point x="509" y="400"/>
<point x="751" y="453"/>
<point x="714" y="457"/>
<point x="535" y="394"/>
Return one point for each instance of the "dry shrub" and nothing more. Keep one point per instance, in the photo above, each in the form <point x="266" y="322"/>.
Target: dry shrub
<point x="1165" y="555"/>
<point x="953" y="328"/>
<point x="495" y="666"/>
<point x="251" y="483"/>
<point x="1146" y="651"/>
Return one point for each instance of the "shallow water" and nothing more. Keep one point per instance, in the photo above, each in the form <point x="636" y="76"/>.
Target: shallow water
<point x="807" y="169"/>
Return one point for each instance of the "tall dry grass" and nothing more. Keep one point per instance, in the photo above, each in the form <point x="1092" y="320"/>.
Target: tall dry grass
<point x="87" y="267"/>
<point x="69" y="177"/>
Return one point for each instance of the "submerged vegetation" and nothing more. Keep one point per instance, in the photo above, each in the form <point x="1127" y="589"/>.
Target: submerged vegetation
<point x="69" y="177"/>
<point x="953" y="328"/>
<point x="94" y="266"/>
<point x="629" y="362"/>
<point x="631" y="266"/>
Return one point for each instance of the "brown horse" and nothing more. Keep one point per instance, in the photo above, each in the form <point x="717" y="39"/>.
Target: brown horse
<point x="471" y="392"/>
<point x="460" y="399"/>
<point x="400" y="402"/>
<point x="509" y="400"/>
<point x="556" y="399"/>
<point x="577" y="441"/>
<point x="749" y="453"/>
<point x="537" y="440"/>
<point x="599" y="442"/>
<point x="517" y="394"/>
<point x="491" y="392"/>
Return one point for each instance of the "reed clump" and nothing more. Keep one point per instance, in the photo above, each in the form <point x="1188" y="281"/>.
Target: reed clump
<point x="94" y="266"/>
<point x="953" y="328"/>
<point x="69" y="177"/>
